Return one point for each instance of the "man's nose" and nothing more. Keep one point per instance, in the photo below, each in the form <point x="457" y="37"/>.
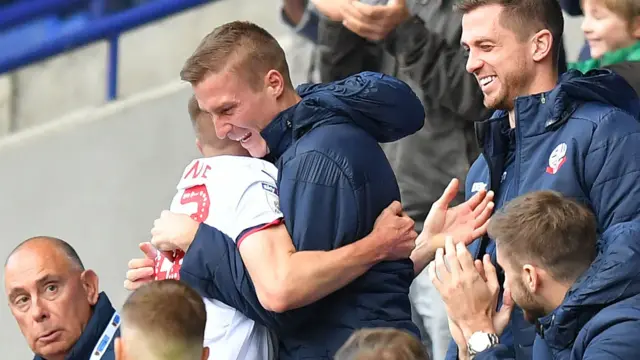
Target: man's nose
<point x="473" y="63"/>
<point x="222" y="128"/>
<point x="39" y="310"/>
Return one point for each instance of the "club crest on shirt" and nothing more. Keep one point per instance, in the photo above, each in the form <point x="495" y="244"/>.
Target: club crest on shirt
<point x="557" y="158"/>
<point x="270" y="188"/>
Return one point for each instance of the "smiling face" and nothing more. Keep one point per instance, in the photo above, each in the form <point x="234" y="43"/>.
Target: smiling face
<point x="49" y="297"/>
<point x="499" y="60"/>
<point x="240" y="112"/>
<point x="606" y="30"/>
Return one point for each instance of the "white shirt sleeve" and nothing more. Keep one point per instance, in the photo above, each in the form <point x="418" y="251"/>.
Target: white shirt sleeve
<point x="258" y="205"/>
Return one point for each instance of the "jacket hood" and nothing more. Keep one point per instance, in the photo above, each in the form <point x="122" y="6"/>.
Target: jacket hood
<point x="613" y="277"/>
<point x="600" y="85"/>
<point x="383" y="106"/>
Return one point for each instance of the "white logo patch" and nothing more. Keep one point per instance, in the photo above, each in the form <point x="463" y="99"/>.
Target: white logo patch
<point x="477" y="186"/>
<point x="557" y="158"/>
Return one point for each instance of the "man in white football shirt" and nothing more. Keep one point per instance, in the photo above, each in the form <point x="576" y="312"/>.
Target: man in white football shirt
<point x="237" y="194"/>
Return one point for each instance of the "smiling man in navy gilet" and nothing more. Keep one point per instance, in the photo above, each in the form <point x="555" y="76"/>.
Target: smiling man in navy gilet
<point x="57" y="304"/>
<point x="333" y="180"/>
<point x="577" y="134"/>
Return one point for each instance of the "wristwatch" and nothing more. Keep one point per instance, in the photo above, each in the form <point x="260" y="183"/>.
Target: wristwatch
<point x="481" y="341"/>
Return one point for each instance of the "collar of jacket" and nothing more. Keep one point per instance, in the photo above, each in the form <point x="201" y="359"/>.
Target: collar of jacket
<point x="279" y="134"/>
<point x="544" y="112"/>
<point x="102" y="313"/>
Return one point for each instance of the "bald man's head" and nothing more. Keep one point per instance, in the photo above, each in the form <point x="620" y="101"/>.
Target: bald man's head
<point x="50" y="294"/>
<point x="61" y="245"/>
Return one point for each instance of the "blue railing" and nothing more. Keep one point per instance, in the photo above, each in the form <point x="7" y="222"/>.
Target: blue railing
<point x="102" y="27"/>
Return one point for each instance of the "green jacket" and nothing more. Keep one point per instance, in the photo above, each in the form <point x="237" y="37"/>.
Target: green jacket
<point x="631" y="53"/>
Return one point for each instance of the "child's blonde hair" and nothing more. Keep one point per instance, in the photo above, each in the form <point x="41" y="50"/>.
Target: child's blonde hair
<point x="628" y="10"/>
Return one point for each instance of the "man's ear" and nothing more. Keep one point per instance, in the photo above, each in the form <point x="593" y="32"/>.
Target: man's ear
<point x="542" y="45"/>
<point x="530" y="278"/>
<point x="275" y="82"/>
<point x="90" y="283"/>
<point x="205" y="353"/>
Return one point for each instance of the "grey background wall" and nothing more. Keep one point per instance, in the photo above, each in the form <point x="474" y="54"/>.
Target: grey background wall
<point x="97" y="182"/>
<point x="100" y="176"/>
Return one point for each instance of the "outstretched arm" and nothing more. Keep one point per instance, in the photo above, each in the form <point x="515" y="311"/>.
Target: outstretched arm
<point x="284" y="278"/>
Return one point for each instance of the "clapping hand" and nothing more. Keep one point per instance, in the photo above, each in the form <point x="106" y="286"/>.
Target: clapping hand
<point x="462" y="223"/>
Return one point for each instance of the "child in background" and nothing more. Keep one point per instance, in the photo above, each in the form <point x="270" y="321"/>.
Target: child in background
<point x="612" y="29"/>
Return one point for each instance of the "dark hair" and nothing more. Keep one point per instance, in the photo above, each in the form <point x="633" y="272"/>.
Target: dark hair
<point x="382" y="344"/>
<point x="238" y="46"/>
<point x="64" y="246"/>
<point x="169" y="313"/>
<point x="543" y="227"/>
<point x="525" y="17"/>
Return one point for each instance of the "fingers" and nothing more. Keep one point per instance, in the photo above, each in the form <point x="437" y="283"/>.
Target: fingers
<point x="507" y="300"/>
<point x="133" y="285"/>
<point x="449" y="194"/>
<point x="477" y="198"/>
<point x="502" y="317"/>
<point x="442" y="272"/>
<point x="452" y="257"/>
<point x="464" y="257"/>
<point x="140" y="274"/>
<point x="369" y="12"/>
<point x="141" y="263"/>
<point x="395" y="208"/>
<point x="433" y="276"/>
<point x="480" y="269"/>
<point x="360" y="24"/>
<point x="487" y="199"/>
<point x="490" y="272"/>
<point x="149" y="251"/>
<point x="481" y="224"/>
<point x="162" y="244"/>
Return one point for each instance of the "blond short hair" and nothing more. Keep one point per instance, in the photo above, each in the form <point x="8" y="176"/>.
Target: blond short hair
<point x="382" y="344"/>
<point x="239" y="46"/>
<point x="169" y="315"/>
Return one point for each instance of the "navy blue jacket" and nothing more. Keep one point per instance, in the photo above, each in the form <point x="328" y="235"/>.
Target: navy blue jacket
<point x="81" y="350"/>
<point x="334" y="180"/>
<point x="581" y="139"/>
<point x="600" y="315"/>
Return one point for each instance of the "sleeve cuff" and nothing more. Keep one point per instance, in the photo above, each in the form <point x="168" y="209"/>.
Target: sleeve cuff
<point x="308" y="25"/>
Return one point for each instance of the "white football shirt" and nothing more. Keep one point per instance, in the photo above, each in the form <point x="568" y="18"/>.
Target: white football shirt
<point x="238" y="196"/>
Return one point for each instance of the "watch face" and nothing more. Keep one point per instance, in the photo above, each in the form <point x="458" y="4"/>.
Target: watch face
<point x="479" y="341"/>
